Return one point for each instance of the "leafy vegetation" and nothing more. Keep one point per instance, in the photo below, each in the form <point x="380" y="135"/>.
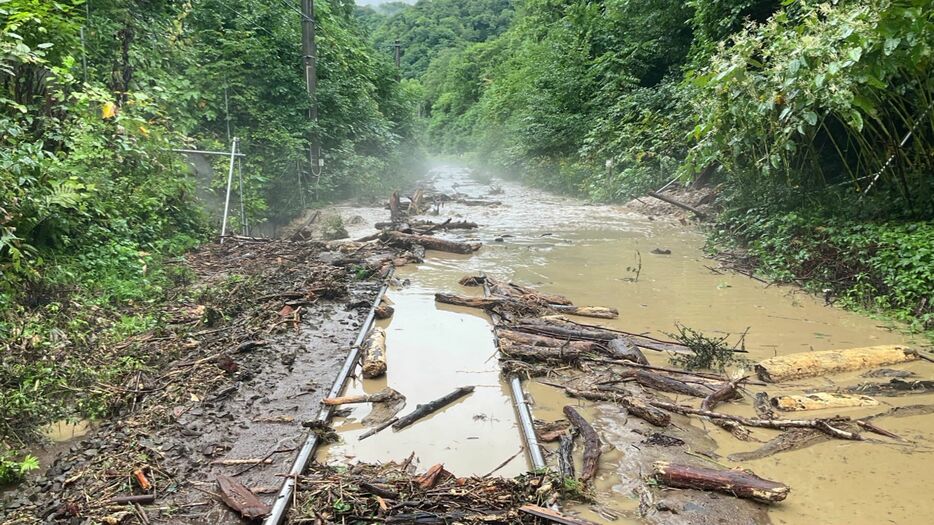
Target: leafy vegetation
<point x="95" y="207"/>
<point x="816" y="120"/>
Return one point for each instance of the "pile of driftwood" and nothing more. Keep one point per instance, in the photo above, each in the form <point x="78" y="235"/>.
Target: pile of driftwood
<point x="601" y="364"/>
<point x="394" y="493"/>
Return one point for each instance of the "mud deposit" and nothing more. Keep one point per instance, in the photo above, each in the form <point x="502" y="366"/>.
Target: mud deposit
<point x="242" y="360"/>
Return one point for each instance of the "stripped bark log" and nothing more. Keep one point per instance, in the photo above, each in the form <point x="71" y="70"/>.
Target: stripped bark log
<point x="812" y="364"/>
<point x="591" y="443"/>
<point x="429" y="408"/>
<point x="240" y="498"/>
<point x="820" y="401"/>
<point x="430" y="243"/>
<point x="374" y="354"/>
<point x="734" y="482"/>
<point x="386" y="394"/>
<point x="470" y="302"/>
<point x="599" y="312"/>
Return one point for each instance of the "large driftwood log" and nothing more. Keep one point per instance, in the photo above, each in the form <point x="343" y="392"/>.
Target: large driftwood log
<point x="545" y="341"/>
<point x="635" y="406"/>
<point x="431" y="407"/>
<point x="813" y="364"/>
<point x="374" y="354"/>
<point x="665" y="383"/>
<point x="430" y="243"/>
<point x="591" y="443"/>
<point x="564" y="329"/>
<point x="562" y="354"/>
<point x="469" y="302"/>
<point x="820" y="401"/>
<point x="734" y="482"/>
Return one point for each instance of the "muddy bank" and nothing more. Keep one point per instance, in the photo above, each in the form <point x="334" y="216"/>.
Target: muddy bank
<point x="242" y="359"/>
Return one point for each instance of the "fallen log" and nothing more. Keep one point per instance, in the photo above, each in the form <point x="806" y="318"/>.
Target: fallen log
<point x="599" y="312"/>
<point x="664" y="383"/>
<point x="727" y="391"/>
<point x="812" y="364"/>
<point x="564" y="329"/>
<point x="240" y="498"/>
<point x="431" y="407"/>
<point x="792" y="439"/>
<point x="635" y="406"/>
<point x="821" y="400"/>
<point x="552" y="515"/>
<point x="564" y="354"/>
<point x="374" y="354"/>
<point x="483" y="303"/>
<point x="737" y="483"/>
<point x="881" y="431"/>
<point x="701" y="215"/>
<point x="386" y="394"/>
<point x="545" y="341"/>
<point x="895" y="387"/>
<point x="591" y="443"/>
<point x="824" y="425"/>
<point x="375" y="430"/>
<point x="566" y="455"/>
<point x="430" y="243"/>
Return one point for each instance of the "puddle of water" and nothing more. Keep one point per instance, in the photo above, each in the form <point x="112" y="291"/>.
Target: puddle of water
<point x="64" y="430"/>
<point x="589" y="253"/>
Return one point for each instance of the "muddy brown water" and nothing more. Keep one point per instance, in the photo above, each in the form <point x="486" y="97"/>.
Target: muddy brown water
<point x="602" y="255"/>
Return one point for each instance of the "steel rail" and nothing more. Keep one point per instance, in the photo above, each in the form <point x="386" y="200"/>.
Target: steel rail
<point x="520" y="403"/>
<point x="284" y="498"/>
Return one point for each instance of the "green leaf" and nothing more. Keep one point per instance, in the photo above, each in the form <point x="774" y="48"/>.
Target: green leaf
<point x="810" y="117"/>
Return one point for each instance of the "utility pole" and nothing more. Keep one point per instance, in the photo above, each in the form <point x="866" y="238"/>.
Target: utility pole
<point x="310" y="53"/>
<point x="398" y="50"/>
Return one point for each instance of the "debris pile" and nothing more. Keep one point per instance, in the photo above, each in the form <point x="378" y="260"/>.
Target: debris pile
<point x="393" y="493"/>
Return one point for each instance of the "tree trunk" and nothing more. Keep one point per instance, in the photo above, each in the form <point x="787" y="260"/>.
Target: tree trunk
<point x="374" y="355"/>
<point x="734" y="482"/>
<point x="821" y="400"/>
<point x="813" y="364"/>
<point x="430" y="243"/>
<point x="599" y="312"/>
<point x="591" y="443"/>
<point x="631" y="403"/>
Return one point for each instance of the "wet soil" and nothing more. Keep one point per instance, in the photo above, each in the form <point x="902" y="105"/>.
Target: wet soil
<point x="219" y="405"/>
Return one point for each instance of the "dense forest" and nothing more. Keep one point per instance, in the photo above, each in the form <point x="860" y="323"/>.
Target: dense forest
<point x="814" y="120"/>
